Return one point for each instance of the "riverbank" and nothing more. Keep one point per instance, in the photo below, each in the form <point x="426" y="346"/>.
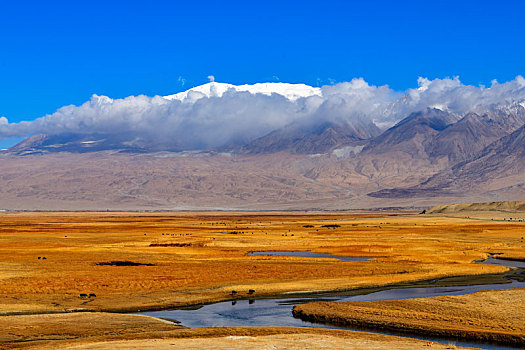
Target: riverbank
<point x="114" y="331"/>
<point x="486" y="316"/>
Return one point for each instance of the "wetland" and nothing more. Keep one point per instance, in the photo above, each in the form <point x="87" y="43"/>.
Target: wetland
<point x="142" y="262"/>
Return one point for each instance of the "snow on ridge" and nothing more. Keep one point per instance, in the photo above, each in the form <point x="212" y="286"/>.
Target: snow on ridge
<point x="440" y="106"/>
<point x="214" y="89"/>
<point x="346" y="151"/>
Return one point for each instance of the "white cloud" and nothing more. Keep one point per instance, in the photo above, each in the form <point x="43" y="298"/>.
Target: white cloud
<point x="458" y="98"/>
<point x="211" y="78"/>
<point x="237" y="116"/>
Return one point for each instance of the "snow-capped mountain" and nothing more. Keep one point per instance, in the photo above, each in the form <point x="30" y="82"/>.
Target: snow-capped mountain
<point x="273" y="145"/>
<point x="214" y="89"/>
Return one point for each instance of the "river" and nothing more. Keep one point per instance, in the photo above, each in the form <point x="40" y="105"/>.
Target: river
<point x="278" y="311"/>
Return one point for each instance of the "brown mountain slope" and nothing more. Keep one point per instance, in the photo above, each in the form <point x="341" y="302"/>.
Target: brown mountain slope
<point x="463" y="140"/>
<point x="497" y="166"/>
<point x="412" y="134"/>
<point x="100" y="180"/>
<point x="498" y="171"/>
<point x="312" y="139"/>
<point x="123" y="181"/>
<point x="506" y="206"/>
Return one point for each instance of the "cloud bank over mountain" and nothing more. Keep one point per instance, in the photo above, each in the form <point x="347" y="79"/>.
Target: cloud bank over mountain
<point x="217" y="114"/>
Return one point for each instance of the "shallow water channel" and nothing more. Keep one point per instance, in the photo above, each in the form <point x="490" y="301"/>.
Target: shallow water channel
<point x="271" y="312"/>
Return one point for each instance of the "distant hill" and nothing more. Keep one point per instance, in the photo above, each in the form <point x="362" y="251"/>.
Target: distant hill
<point x="413" y="134"/>
<point x="313" y="138"/>
<point x="505" y="206"/>
<point x="463" y="140"/>
<point x="496" y="170"/>
<point x="499" y="164"/>
<point x="78" y="143"/>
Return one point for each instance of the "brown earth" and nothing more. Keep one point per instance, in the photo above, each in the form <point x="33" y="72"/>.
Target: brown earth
<point x="490" y="316"/>
<point x="169" y="181"/>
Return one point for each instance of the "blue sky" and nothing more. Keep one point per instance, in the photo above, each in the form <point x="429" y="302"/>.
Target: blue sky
<point x="59" y="53"/>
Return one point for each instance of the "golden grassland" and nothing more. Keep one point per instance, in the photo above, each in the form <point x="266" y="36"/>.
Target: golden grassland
<point x="492" y="316"/>
<point x="29" y="329"/>
<point x="195" y="257"/>
<point x="302" y="340"/>
<point x="48" y="260"/>
<point x="116" y="331"/>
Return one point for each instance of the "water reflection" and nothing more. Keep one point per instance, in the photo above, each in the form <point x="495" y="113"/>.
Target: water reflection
<point x="278" y="312"/>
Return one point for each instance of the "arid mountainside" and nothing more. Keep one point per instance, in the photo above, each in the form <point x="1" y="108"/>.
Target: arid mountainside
<point x="411" y="135"/>
<point x="104" y="180"/>
<point x="313" y="138"/>
<point x="498" y="170"/>
<point x="464" y="139"/>
<point x="506" y="207"/>
<point x="430" y="157"/>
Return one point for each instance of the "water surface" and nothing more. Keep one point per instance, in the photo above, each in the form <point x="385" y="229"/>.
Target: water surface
<point x="505" y="262"/>
<point x="278" y="311"/>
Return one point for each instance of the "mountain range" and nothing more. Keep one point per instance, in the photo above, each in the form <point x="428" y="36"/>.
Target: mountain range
<point x="430" y="156"/>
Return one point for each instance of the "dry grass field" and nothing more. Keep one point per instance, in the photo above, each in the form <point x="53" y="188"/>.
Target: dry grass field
<point x="493" y="316"/>
<point x="117" y="331"/>
<point x="48" y="260"/>
<point x="106" y="261"/>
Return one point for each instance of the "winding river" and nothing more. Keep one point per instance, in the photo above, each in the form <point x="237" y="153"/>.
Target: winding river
<point x="278" y="311"/>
